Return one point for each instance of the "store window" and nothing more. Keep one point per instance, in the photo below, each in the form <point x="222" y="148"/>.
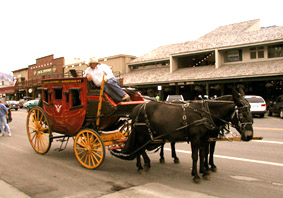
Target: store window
<point x="275" y="51"/>
<point x="233" y="56"/>
<point x="257" y="52"/>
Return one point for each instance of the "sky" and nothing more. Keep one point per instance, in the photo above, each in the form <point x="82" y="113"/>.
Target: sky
<point x="31" y="29"/>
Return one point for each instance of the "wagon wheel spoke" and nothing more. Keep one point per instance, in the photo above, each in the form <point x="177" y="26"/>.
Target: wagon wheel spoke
<point x="89" y="149"/>
<point x="38" y="130"/>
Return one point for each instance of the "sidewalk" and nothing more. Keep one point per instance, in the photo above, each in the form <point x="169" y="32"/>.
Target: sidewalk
<point x="8" y="191"/>
<point x="156" y="190"/>
<point x="152" y="190"/>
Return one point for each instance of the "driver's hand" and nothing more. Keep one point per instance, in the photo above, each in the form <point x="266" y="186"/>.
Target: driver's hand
<point x="89" y="78"/>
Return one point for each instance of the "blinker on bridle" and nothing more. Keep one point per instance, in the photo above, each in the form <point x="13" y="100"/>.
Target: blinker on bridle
<point x="239" y="113"/>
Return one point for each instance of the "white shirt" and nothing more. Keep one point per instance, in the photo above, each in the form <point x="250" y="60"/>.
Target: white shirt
<point x="97" y="73"/>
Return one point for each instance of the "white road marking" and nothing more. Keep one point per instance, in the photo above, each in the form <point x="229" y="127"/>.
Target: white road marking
<point x="244" y="178"/>
<point x="234" y="158"/>
<point x="267" y="141"/>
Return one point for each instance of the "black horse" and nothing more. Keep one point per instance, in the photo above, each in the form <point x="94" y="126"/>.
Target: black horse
<point x="153" y="123"/>
<point x="209" y="157"/>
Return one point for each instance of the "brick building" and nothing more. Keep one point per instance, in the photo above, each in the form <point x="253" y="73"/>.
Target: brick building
<point x="29" y="79"/>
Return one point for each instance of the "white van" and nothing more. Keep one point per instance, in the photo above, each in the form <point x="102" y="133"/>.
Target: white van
<point x="258" y="105"/>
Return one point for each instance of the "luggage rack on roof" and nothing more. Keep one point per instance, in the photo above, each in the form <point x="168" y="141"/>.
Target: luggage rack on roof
<point x="73" y="73"/>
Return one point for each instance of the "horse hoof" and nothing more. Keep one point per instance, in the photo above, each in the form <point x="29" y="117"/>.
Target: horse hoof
<point x="162" y="161"/>
<point x="141" y="171"/>
<point x="176" y="161"/>
<point x="206" y="177"/>
<point x="146" y="168"/>
<point x="214" y="169"/>
<point x="197" y="180"/>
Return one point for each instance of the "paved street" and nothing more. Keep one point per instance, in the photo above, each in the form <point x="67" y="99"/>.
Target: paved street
<point x="245" y="169"/>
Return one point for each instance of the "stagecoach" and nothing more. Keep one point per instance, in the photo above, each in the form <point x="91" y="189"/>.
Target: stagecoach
<point x="72" y="107"/>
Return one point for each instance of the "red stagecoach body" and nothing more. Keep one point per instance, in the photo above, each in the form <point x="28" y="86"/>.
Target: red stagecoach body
<point x="72" y="104"/>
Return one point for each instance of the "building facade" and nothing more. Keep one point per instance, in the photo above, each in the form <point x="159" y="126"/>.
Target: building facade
<point x="28" y="80"/>
<point x="242" y="54"/>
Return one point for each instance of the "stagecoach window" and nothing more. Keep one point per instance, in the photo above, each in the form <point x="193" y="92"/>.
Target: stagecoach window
<point x="75" y="93"/>
<point x="58" y="93"/>
<point x="45" y="95"/>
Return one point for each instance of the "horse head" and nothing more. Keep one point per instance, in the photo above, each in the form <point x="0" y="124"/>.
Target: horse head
<point x="242" y="118"/>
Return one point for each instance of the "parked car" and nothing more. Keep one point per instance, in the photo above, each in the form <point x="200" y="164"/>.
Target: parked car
<point x="26" y="103"/>
<point x="258" y="105"/>
<point x="12" y="104"/>
<point x="31" y="104"/>
<point x="23" y="100"/>
<point x="174" y="98"/>
<point x="276" y="107"/>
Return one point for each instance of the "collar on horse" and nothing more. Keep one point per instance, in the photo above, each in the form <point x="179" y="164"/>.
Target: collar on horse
<point x="206" y="119"/>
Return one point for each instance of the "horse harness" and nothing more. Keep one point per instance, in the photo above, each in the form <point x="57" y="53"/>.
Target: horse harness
<point x="206" y="120"/>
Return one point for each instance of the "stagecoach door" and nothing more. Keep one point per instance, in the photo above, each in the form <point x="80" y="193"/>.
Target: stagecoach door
<point x="56" y="109"/>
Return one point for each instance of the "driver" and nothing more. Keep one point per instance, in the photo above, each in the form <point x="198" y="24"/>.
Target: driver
<point x="95" y="72"/>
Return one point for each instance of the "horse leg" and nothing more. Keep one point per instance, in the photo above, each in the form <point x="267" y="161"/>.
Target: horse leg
<point x="202" y="154"/>
<point x="211" y="160"/>
<point x="206" y="158"/>
<point x="146" y="161"/>
<point x="195" y="150"/>
<point x="173" y="150"/>
<point x="140" y="168"/>
<point x="162" y="160"/>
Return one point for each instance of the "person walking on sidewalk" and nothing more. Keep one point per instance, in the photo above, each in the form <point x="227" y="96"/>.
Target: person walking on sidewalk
<point x="3" y="119"/>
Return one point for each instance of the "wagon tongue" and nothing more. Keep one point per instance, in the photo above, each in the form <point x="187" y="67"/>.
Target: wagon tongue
<point x="116" y="147"/>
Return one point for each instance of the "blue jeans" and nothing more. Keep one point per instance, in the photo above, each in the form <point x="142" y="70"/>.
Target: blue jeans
<point x="112" y="88"/>
<point x="3" y="122"/>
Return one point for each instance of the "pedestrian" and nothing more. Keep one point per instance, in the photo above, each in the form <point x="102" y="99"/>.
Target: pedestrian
<point x="95" y="72"/>
<point x="3" y="119"/>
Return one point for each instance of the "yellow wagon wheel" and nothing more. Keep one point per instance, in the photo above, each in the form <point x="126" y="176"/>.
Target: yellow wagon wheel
<point x="39" y="130"/>
<point x="89" y="148"/>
